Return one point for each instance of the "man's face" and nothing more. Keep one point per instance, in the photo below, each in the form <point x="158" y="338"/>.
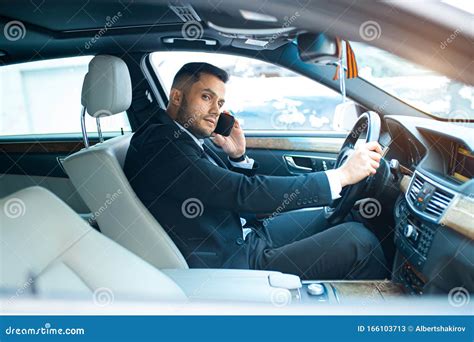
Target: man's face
<point x="201" y="104"/>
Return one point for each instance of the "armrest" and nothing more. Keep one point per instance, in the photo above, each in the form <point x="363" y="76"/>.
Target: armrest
<point x="237" y="285"/>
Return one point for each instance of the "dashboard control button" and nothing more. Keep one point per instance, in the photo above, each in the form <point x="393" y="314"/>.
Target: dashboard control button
<point x="315" y="289"/>
<point x="408" y="231"/>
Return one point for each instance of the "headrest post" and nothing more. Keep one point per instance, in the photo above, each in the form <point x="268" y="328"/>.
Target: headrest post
<point x="83" y="127"/>
<point x="99" y="130"/>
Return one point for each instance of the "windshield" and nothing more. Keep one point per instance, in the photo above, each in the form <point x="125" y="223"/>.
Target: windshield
<point x="424" y="89"/>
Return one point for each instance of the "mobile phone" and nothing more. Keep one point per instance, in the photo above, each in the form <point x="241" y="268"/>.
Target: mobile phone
<point x="224" y="124"/>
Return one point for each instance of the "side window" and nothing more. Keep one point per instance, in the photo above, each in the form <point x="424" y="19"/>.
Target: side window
<point x="45" y="98"/>
<point x="262" y="96"/>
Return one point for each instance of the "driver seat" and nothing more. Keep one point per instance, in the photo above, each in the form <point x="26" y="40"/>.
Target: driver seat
<point x="97" y="171"/>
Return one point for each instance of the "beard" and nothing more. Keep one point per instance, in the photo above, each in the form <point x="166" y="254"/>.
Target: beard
<point x="190" y="121"/>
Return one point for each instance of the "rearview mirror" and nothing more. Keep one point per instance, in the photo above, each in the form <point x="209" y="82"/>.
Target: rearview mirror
<point x="318" y="48"/>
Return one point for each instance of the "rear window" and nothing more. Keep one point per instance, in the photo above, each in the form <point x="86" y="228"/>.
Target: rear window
<point x="45" y="98"/>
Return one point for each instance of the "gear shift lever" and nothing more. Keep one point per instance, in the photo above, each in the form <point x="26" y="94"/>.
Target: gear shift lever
<point x="395" y="169"/>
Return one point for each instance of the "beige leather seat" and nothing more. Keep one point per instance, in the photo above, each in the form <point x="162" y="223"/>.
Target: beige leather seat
<point x="47" y="249"/>
<point x="97" y="173"/>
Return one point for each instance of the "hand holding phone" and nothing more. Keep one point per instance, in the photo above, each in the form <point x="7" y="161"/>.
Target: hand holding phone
<point x="224" y="124"/>
<point x="229" y="136"/>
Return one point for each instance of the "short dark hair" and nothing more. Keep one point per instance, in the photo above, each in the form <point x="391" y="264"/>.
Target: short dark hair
<point x="191" y="72"/>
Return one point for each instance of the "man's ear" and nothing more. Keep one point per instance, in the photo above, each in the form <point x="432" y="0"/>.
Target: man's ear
<point x="176" y="97"/>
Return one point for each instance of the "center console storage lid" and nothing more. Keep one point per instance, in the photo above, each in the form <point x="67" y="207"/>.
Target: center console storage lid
<point x="235" y="285"/>
<point x="286" y="281"/>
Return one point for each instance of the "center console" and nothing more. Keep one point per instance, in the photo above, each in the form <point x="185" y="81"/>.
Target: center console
<point x="417" y="215"/>
<point x="237" y="285"/>
<point x="343" y="291"/>
<point x="413" y="236"/>
<point x="413" y="239"/>
<point x="276" y="288"/>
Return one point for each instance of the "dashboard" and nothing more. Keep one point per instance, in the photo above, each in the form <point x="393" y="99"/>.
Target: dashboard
<point x="401" y="145"/>
<point x="434" y="213"/>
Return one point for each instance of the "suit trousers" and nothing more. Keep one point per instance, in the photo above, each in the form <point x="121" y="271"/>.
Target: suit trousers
<point x="310" y="248"/>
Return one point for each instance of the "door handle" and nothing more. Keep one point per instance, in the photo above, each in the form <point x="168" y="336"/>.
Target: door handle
<point x="305" y="163"/>
<point x="290" y="161"/>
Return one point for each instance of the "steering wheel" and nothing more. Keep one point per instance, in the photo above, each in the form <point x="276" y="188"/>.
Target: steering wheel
<point x="367" y="125"/>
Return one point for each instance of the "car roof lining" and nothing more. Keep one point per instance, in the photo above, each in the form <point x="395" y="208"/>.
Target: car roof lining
<point x="51" y="35"/>
<point x="56" y="28"/>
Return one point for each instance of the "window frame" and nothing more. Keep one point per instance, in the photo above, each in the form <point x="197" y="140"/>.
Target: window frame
<point x="159" y="91"/>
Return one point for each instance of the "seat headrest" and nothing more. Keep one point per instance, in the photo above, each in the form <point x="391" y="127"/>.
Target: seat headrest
<point x="107" y="88"/>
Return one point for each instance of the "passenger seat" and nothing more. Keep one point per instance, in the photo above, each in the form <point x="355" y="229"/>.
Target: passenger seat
<point x="47" y="249"/>
<point x="97" y="173"/>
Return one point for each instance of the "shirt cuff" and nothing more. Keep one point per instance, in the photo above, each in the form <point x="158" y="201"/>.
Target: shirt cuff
<point x="334" y="183"/>
<point x="247" y="163"/>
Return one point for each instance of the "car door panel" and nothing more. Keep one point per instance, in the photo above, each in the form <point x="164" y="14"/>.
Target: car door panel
<point x="60" y="186"/>
<point x="291" y="155"/>
<point x="26" y="162"/>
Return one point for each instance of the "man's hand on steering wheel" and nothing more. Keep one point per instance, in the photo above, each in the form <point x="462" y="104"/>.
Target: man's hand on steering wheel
<point x="362" y="163"/>
<point x="356" y="167"/>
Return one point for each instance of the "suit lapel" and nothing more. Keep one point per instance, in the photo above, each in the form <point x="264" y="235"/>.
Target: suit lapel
<point x="213" y="155"/>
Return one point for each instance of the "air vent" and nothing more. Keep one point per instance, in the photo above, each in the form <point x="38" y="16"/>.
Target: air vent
<point x="436" y="202"/>
<point x="415" y="187"/>
<point x="185" y="13"/>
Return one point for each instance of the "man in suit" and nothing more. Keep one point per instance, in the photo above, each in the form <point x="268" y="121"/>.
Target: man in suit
<point x="198" y="198"/>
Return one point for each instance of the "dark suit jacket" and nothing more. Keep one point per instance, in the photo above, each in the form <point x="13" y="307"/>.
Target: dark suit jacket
<point x="198" y="203"/>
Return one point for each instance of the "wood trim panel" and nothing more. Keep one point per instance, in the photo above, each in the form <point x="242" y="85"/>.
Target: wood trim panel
<point x="329" y="145"/>
<point x="405" y="183"/>
<point x="460" y="216"/>
<point x="43" y="147"/>
<point x="372" y="291"/>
